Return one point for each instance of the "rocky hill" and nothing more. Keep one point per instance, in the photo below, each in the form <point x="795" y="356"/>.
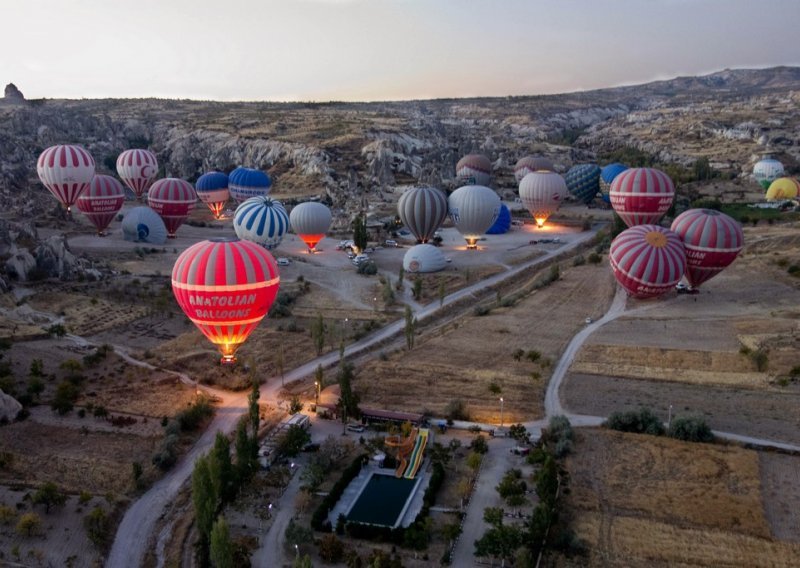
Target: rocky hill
<point x="357" y="154"/>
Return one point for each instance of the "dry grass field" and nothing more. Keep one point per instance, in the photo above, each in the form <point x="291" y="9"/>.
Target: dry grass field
<point x="644" y="501"/>
<point x="462" y="359"/>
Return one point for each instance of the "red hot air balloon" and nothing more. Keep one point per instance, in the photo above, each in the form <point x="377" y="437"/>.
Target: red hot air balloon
<point x="712" y="240"/>
<point x="101" y="201"/>
<point x="641" y="195"/>
<point x="647" y="260"/>
<point x="66" y="172"/>
<point x="173" y="199"/>
<point x="137" y="168"/>
<point x="225" y="287"/>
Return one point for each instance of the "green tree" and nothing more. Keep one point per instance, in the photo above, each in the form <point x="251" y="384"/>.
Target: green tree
<point x="313" y="475"/>
<point x="474" y="460"/>
<point x="331" y="548"/>
<point x="223" y="474"/>
<point x="360" y="233"/>
<point x="303" y="562"/>
<point x="494" y="388"/>
<point x="293" y="440"/>
<point x="410" y="327"/>
<point x="400" y="277"/>
<point x="296" y="533"/>
<point x="29" y="524"/>
<point x="98" y="527"/>
<point x="318" y="333"/>
<point x="348" y="397"/>
<point x="417" y="289"/>
<point x="136" y="472"/>
<point x="388" y="292"/>
<point x="547" y="482"/>
<point x="252" y="408"/>
<point x="245" y="463"/>
<point x="48" y="495"/>
<point x="64" y="399"/>
<point x="204" y="498"/>
<point x="295" y="405"/>
<point x="37" y="368"/>
<point x="501" y="540"/>
<point x="512" y="484"/>
<point x="442" y="294"/>
<point x="221" y="547"/>
<point x="702" y="169"/>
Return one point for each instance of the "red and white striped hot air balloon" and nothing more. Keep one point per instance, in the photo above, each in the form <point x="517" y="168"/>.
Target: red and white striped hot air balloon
<point x="225" y="287"/>
<point x="641" y="195"/>
<point x="66" y="171"/>
<point x="647" y="260"/>
<point x="173" y="199"/>
<point x="712" y="240"/>
<point x="474" y="169"/>
<point x="101" y="201"/>
<point x="138" y="169"/>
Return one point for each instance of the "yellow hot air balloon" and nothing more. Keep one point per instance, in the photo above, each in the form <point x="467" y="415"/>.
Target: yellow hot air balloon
<point x="783" y="188"/>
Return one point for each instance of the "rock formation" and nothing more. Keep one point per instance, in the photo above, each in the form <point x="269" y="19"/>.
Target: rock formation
<point x="9" y="407"/>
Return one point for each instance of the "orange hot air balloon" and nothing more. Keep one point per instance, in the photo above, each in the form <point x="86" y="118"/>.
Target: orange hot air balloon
<point x="225" y="287"/>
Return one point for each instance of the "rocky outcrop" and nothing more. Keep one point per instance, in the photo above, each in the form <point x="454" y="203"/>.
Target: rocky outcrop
<point x="13" y="95"/>
<point x="54" y="259"/>
<point x="9" y="407"/>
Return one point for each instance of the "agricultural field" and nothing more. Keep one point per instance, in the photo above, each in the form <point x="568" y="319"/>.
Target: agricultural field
<point x="638" y="500"/>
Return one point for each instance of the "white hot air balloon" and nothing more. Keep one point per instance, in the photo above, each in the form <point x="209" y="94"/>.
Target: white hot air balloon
<point x="542" y="193"/>
<point x="424" y="258"/>
<point x="261" y="220"/>
<point x="474" y="209"/>
<point x="310" y="221"/>
<point x="422" y="210"/>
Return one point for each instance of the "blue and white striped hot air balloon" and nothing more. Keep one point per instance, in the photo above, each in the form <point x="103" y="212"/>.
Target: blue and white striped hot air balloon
<point x="261" y="220"/>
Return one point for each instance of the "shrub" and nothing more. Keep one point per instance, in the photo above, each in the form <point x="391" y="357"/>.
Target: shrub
<point x="642" y="422"/>
<point x="479" y="444"/>
<point x="456" y="410"/>
<point x="481" y="311"/>
<point x="579" y="260"/>
<point x="594" y="258"/>
<point x="29" y="524"/>
<point x="98" y="527"/>
<point x="690" y="429"/>
<point x="191" y="418"/>
<point x="368" y="268"/>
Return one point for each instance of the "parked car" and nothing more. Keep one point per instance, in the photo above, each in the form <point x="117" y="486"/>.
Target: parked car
<point x="390" y="243"/>
<point x="282" y="261"/>
<point x="355" y="427"/>
<point x="589" y="320"/>
<point x="520" y="451"/>
<point x="351" y="255"/>
<point x="360" y="258"/>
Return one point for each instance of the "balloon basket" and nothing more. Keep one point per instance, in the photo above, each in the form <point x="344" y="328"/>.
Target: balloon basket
<point x="227" y="360"/>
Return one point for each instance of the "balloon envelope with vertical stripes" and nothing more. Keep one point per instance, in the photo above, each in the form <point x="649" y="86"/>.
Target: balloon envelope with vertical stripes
<point x="473" y="208"/>
<point x="101" y="201"/>
<point x="212" y="189"/>
<point x="474" y="169"/>
<point x="422" y="210"/>
<point x="712" y="240"/>
<point x="607" y="176"/>
<point x="647" y="260"/>
<point x="310" y="221"/>
<point x="137" y="168"/>
<point x="261" y="220"/>
<point x="530" y="164"/>
<point x="173" y="199"/>
<point x="641" y="196"/>
<point x="542" y="193"/>
<point x="244" y="183"/>
<point x="225" y="287"/>
<point x="503" y="222"/>
<point x="66" y="171"/>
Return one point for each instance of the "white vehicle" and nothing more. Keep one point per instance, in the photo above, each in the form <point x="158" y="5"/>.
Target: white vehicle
<point x="360" y="258"/>
<point x="283" y="261"/>
<point x="589" y="320"/>
<point x="390" y="243"/>
<point x="355" y="427"/>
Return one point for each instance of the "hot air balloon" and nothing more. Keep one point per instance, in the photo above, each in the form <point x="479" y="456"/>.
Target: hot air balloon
<point x="712" y="241"/>
<point x="424" y="258"/>
<point x="422" y="210"/>
<point x="212" y="189"/>
<point x="766" y="171"/>
<point x="473" y="208"/>
<point x="225" y="287"/>
<point x="244" y="183"/>
<point x="641" y="195"/>
<point x="101" y="201"/>
<point x="474" y="169"/>
<point x="782" y="188"/>
<point x="542" y="193"/>
<point x="173" y="199"/>
<point x="503" y="222"/>
<point x="66" y="171"/>
<point x="138" y="169"/>
<point x="142" y="224"/>
<point x="530" y="164"/>
<point x="310" y="221"/>
<point x="607" y="175"/>
<point x="583" y="181"/>
<point x="261" y="220"/>
<point x="647" y="260"/>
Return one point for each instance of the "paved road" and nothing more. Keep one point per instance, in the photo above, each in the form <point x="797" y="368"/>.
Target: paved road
<point x="134" y="532"/>
<point x="495" y="464"/>
<point x="271" y="552"/>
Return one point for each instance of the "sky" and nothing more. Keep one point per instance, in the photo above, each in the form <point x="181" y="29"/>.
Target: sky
<point x="357" y="50"/>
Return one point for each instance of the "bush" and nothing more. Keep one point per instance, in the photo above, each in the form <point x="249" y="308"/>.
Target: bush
<point x="480" y="311"/>
<point x="594" y="258"/>
<point x="642" y="422"/>
<point x="98" y="527"/>
<point x="691" y="429"/>
<point x="66" y="395"/>
<point x="166" y="456"/>
<point x="456" y="410"/>
<point x="479" y="444"/>
<point x="191" y="418"/>
<point x="368" y="268"/>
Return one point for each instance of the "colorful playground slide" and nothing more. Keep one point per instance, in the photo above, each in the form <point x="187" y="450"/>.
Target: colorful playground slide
<point x="416" y="455"/>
